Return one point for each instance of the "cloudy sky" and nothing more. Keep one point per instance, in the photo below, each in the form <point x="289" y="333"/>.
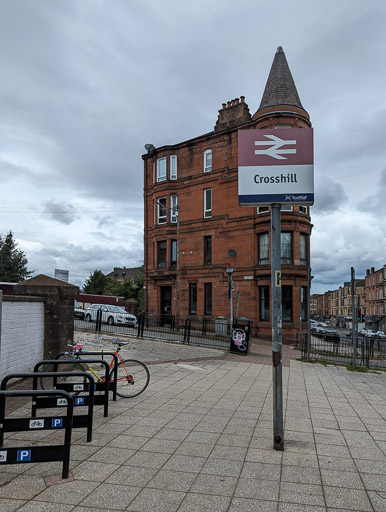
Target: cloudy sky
<point x="85" y="84"/>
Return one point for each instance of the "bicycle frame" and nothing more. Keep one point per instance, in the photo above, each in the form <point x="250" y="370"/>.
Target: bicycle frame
<point x="111" y="365"/>
<point x="77" y="351"/>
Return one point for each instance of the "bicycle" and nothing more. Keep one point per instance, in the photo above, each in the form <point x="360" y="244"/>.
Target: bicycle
<point x="133" y="377"/>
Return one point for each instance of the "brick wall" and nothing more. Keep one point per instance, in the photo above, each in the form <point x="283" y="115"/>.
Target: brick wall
<point x="22" y="334"/>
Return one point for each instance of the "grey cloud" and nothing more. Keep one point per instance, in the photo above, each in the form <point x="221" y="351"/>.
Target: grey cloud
<point x="376" y="201"/>
<point x="329" y="195"/>
<point x="9" y="170"/>
<point x="63" y="213"/>
<point x="105" y="222"/>
<point x="80" y="261"/>
<point x="84" y="86"/>
<point x="339" y="242"/>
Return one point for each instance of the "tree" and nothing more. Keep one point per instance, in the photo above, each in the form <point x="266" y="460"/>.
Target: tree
<point x="126" y="288"/>
<point x="13" y="261"/>
<point x="96" y="283"/>
<point x="99" y="284"/>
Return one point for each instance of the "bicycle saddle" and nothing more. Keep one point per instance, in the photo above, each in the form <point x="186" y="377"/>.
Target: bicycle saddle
<point x="120" y="343"/>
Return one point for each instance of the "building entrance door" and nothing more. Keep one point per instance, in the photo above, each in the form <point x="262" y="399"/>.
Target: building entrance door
<point x="166" y="304"/>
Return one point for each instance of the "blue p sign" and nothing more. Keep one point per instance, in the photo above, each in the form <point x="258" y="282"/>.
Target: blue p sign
<point x="57" y="422"/>
<point x="23" y="455"/>
<point x="79" y="400"/>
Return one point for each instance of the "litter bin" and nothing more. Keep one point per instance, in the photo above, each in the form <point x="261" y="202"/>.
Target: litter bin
<point x="220" y="325"/>
<point x="240" y="336"/>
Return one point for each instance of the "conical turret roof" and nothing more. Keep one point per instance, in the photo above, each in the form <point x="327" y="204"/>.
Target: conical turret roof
<point x="280" y="88"/>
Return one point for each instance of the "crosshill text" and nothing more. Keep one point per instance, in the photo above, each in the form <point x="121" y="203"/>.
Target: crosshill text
<point x="282" y="178"/>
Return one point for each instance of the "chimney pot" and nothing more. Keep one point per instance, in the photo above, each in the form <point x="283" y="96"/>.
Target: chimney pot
<point x="228" y="104"/>
<point x="242" y="98"/>
<point x="237" y="100"/>
<point x="233" y="103"/>
<point x="224" y="105"/>
<point x="372" y="270"/>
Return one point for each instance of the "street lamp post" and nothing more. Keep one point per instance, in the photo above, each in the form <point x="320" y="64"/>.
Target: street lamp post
<point x="229" y="271"/>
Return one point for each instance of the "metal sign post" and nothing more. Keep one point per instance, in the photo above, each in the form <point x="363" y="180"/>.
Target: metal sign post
<point x="276" y="167"/>
<point x="353" y="318"/>
<point x="278" y="438"/>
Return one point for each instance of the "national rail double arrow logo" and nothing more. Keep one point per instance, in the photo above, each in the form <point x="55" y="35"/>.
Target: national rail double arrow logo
<point x="274" y="151"/>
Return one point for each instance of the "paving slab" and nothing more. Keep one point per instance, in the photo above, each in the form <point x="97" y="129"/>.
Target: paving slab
<point x="200" y="439"/>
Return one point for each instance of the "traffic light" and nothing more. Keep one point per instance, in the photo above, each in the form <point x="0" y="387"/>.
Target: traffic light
<point x="359" y="315"/>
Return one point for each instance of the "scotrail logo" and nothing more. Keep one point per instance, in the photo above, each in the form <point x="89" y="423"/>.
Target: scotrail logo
<point x="295" y="198"/>
<point x="274" y="151"/>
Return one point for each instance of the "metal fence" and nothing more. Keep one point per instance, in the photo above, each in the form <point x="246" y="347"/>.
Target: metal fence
<point x="371" y="352"/>
<point x="206" y="332"/>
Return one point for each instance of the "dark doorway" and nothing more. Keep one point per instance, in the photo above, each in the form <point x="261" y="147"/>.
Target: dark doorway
<point x="166" y="305"/>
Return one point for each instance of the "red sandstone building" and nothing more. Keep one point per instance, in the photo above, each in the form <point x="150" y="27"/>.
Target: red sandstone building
<point x="375" y="289"/>
<point x="195" y="229"/>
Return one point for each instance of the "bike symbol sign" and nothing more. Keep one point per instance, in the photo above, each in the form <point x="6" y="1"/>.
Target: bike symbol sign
<point x="36" y="423"/>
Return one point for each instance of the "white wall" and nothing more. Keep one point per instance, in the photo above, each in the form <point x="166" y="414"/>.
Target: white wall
<point x="22" y="336"/>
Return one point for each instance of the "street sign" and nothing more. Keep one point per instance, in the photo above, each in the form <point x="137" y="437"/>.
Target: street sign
<point x="62" y="275"/>
<point x="276" y="166"/>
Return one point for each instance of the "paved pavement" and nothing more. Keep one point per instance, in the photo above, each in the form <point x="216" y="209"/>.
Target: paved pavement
<point x="200" y="439"/>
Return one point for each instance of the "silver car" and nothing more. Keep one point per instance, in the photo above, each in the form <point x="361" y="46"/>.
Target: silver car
<point x="79" y="312"/>
<point x="112" y="315"/>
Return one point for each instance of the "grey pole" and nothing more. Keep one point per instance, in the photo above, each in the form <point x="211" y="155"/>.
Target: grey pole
<point x="1" y="312"/>
<point x="231" y="301"/>
<point x="178" y="262"/>
<point x="276" y="308"/>
<point x="353" y="323"/>
<point x="229" y="271"/>
<point x="300" y="315"/>
<point x="308" y="315"/>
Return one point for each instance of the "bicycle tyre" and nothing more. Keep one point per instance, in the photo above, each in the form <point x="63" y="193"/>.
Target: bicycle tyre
<point x="47" y="382"/>
<point x="132" y="379"/>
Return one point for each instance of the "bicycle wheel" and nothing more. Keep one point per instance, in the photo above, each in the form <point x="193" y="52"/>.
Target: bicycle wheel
<point x="133" y="378"/>
<point x="48" y="382"/>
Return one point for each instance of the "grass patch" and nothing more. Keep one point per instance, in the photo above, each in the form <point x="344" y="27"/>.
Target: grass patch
<point x="349" y="366"/>
<point x="358" y="368"/>
<point x="324" y="362"/>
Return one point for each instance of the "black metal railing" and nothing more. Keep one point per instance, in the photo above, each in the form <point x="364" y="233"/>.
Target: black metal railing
<point x="194" y="331"/>
<point x="371" y="351"/>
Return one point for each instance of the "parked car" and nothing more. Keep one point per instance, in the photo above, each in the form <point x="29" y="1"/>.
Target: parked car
<point x="319" y="331"/>
<point x="79" y="312"/>
<point x="110" y="315"/>
<point x="370" y="333"/>
<point x="380" y="334"/>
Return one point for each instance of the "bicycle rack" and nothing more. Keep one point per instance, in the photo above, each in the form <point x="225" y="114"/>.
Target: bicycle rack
<point x="50" y="453"/>
<point x="113" y="384"/>
<point x="48" y="422"/>
<point x="102" y="399"/>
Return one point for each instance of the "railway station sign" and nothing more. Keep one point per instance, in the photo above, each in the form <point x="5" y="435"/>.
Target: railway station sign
<point x="276" y="166"/>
